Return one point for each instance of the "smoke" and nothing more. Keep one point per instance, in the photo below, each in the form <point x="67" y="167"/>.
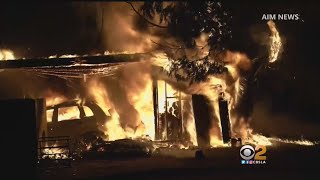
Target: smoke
<point x="189" y="121"/>
<point x="260" y="34"/>
<point x="128" y="94"/>
<point x="284" y="125"/>
<point x="24" y="84"/>
<point x="136" y="80"/>
<point x="121" y="31"/>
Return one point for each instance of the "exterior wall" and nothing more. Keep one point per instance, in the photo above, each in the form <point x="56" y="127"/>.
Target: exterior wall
<point x="42" y="129"/>
<point x="18" y="137"/>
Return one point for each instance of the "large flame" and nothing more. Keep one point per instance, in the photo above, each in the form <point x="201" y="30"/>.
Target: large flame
<point x="139" y="94"/>
<point x="137" y="122"/>
<point x="112" y="128"/>
<point x="227" y="84"/>
<point x="190" y="124"/>
<point x="6" y="54"/>
<point x="211" y="89"/>
<point x="275" y="42"/>
<point x="139" y="88"/>
<point x="53" y="98"/>
<point x="165" y="104"/>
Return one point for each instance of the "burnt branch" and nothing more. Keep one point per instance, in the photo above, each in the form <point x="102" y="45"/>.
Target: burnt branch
<point x="136" y="11"/>
<point x="195" y="71"/>
<point x="187" y="21"/>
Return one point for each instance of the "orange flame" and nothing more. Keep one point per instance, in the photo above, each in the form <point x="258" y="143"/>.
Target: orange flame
<point x="112" y="128"/>
<point x="186" y="117"/>
<point x="275" y="42"/>
<point x="141" y="98"/>
<point x="139" y="95"/>
<point x="6" y="54"/>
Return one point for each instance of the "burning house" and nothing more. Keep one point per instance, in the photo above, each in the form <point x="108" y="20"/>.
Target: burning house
<point x="168" y="95"/>
<point x="164" y="81"/>
<point x="161" y="96"/>
<point x="169" y="112"/>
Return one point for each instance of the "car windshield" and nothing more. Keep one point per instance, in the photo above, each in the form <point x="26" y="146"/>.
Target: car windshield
<point x="88" y="112"/>
<point x="68" y="113"/>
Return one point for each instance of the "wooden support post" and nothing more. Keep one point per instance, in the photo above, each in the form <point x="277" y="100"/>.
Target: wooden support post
<point x="202" y="115"/>
<point x="225" y="120"/>
<point x="156" y="109"/>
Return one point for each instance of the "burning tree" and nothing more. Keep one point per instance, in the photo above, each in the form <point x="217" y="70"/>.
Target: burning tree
<point x="199" y="54"/>
<point x="187" y="21"/>
<point x="201" y="32"/>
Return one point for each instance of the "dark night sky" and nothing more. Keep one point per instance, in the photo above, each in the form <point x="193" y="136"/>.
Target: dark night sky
<point x="292" y="87"/>
<point x="43" y="29"/>
<point x="299" y="58"/>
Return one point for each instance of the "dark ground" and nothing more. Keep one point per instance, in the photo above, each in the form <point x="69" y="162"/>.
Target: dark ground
<point x="287" y="161"/>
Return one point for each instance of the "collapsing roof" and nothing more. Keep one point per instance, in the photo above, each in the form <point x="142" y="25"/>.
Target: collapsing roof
<point x="75" y="67"/>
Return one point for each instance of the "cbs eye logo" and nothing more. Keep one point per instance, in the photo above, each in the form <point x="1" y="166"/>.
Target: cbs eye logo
<point x="247" y="152"/>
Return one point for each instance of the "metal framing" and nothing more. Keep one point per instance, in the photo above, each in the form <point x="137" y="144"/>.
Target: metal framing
<point x="156" y="113"/>
<point x="60" y="142"/>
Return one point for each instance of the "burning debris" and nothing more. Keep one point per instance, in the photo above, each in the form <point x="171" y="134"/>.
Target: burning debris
<point x="275" y="42"/>
<point x="121" y="148"/>
<point x="54" y="148"/>
<point x="73" y="66"/>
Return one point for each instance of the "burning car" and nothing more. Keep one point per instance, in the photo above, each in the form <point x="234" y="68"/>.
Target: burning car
<point x="74" y="119"/>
